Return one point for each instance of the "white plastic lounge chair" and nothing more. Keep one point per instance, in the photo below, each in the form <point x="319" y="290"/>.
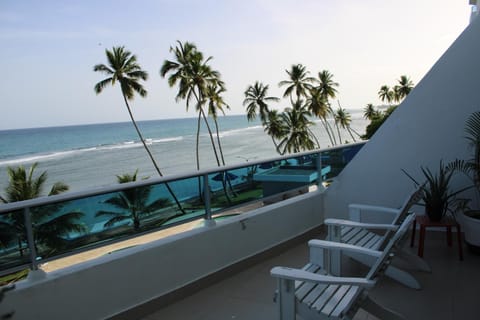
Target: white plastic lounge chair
<point x="314" y="293"/>
<point x="361" y="230"/>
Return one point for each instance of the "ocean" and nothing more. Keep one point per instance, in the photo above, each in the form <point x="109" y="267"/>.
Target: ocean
<point x="86" y="156"/>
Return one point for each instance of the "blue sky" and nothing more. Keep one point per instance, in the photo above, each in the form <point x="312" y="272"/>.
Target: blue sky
<point x="49" y="49"/>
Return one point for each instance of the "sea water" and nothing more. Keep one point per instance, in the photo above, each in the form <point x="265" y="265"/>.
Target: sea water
<point x="86" y="156"/>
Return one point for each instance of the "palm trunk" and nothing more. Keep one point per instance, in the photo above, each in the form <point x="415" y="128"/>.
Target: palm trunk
<point x="150" y="154"/>
<point x="314" y="137"/>
<point x="333" y="134"/>
<point x="276" y="146"/>
<point x="197" y="153"/>
<point x="210" y="134"/>
<point x="218" y="141"/>
<point x="223" y="159"/>
<point x="324" y="123"/>
<point x="338" y="131"/>
<point x="351" y="135"/>
<point x="358" y="134"/>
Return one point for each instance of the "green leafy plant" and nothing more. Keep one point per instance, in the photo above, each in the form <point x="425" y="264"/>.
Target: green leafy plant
<point x="438" y="198"/>
<point x="471" y="167"/>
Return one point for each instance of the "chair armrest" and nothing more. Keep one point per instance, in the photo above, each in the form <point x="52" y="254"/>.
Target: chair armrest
<point x="355" y="224"/>
<point x="302" y="275"/>
<point x="355" y="213"/>
<point x="332" y="246"/>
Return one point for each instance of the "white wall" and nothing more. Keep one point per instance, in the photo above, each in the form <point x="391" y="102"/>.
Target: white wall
<point x="427" y="127"/>
<point x="124" y="279"/>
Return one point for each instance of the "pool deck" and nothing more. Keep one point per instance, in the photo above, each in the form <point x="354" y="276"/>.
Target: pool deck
<point x="139" y="240"/>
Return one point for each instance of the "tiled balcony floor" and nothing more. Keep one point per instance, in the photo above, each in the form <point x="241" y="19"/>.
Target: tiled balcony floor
<point x="450" y="292"/>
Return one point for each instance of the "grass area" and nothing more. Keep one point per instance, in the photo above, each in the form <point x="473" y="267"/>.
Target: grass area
<point x="14" y="277"/>
<point x="221" y="201"/>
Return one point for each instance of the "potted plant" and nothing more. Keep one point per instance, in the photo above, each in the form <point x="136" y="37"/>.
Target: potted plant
<point x="469" y="218"/>
<point x="437" y="197"/>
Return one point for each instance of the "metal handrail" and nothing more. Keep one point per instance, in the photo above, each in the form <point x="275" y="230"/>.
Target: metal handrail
<point x="68" y="196"/>
<point x="26" y="205"/>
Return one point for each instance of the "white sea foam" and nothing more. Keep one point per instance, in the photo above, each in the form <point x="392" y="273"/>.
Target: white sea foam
<point x="238" y="131"/>
<point x="44" y="156"/>
<point x="167" y="139"/>
<point x="69" y="153"/>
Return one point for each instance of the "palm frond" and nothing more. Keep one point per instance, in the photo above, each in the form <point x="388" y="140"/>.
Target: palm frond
<point x="58" y="188"/>
<point x="103" y="68"/>
<point x="98" y="88"/>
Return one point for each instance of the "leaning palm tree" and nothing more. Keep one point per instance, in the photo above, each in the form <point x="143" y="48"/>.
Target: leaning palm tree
<point x="385" y="94"/>
<point x="317" y="105"/>
<point x="327" y="86"/>
<point x="50" y="225"/>
<point x="297" y="136"/>
<point x="328" y="90"/>
<point x="343" y="118"/>
<point x="299" y="82"/>
<point x="215" y="103"/>
<point x="124" y="69"/>
<point x="275" y="128"/>
<point x="405" y="85"/>
<point x="369" y="112"/>
<point x="256" y="98"/>
<point x="133" y="203"/>
<point x="193" y="74"/>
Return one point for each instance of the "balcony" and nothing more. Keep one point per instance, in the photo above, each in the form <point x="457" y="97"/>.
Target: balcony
<point x="450" y="292"/>
<point x="228" y="218"/>
<point x="215" y="263"/>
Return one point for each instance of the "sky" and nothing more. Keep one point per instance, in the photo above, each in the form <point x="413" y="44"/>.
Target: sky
<point x="49" y="48"/>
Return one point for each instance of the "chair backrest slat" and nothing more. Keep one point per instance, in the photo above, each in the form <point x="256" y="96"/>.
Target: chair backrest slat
<point x="389" y="249"/>
<point x="414" y="198"/>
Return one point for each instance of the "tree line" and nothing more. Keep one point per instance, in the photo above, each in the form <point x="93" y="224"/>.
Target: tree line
<point x="290" y="130"/>
<point x="198" y="83"/>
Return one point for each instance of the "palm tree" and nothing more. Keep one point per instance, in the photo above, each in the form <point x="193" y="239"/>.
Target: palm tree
<point x="385" y="94"/>
<point x="405" y="85"/>
<point x="133" y="203"/>
<point x="327" y="88"/>
<point x="193" y="75"/>
<point x="370" y="112"/>
<point x="275" y="128"/>
<point x="326" y="84"/>
<point x="216" y="103"/>
<point x="124" y="69"/>
<point x="297" y="136"/>
<point x="343" y="118"/>
<point x="49" y="226"/>
<point x="299" y="82"/>
<point x="317" y="105"/>
<point x="256" y="98"/>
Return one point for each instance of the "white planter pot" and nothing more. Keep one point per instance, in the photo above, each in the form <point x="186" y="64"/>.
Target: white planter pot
<point x="471" y="228"/>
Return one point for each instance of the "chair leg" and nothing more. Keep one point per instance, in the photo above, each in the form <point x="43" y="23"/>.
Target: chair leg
<point x="379" y="311"/>
<point x="286" y="299"/>
<point x="413" y="260"/>
<point x="393" y="272"/>
<point x="403" y="277"/>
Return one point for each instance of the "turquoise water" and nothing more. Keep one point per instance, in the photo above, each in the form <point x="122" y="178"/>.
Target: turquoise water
<point x="88" y="156"/>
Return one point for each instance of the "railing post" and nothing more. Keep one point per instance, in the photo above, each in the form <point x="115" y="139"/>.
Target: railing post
<point x="206" y="196"/>
<point x="30" y="239"/>
<point x="319" y="169"/>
